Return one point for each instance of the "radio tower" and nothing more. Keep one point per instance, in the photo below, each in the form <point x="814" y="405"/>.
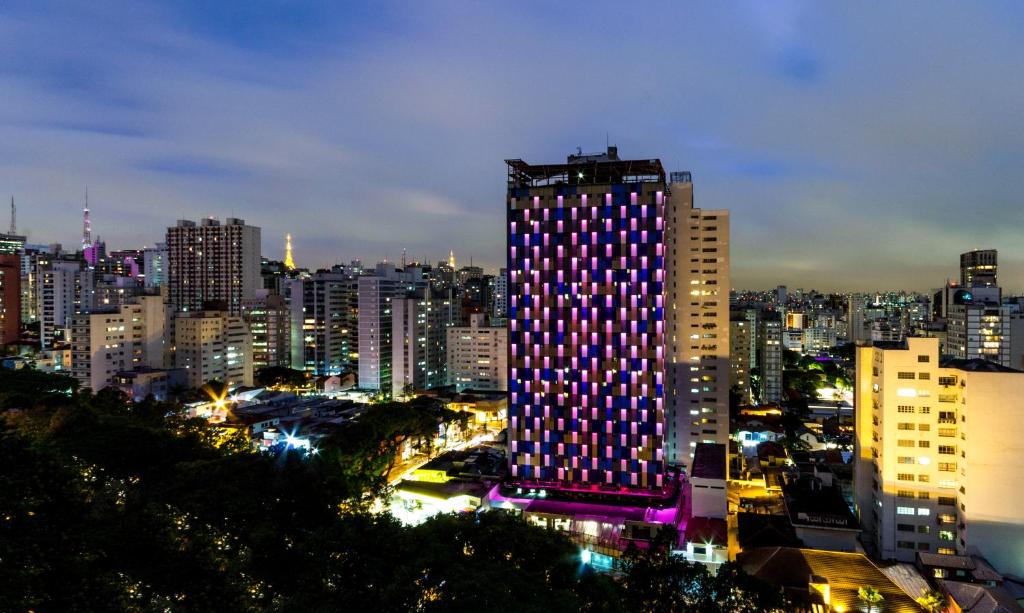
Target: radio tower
<point x="86" y="224"/>
<point x="289" y="262"/>
<point x="14" y="222"/>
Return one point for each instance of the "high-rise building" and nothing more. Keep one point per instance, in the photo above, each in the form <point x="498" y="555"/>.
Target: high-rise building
<point x="467" y="274"/>
<point x="587" y="273"/>
<point x="478" y="355"/>
<point x="769" y="356"/>
<point x="154" y="265"/>
<point x="324" y="323"/>
<point x="118" y="338"/>
<point x="500" y="295"/>
<point x="978" y="268"/>
<point x="977" y="323"/>
<point x="697" y="268"/>
<point x="743" y="352"/>
<point x="979" y="330"/>
<point x="375" y="330"/>
<point x="269" y="319"/>
<point x="213" y="345"/>
<point x="419" y="342"/>
<point x="212" y="262"/>
<point x="937" y="451"/>
<point x="10" y="298"/>
<point x="11" y="244"/>
<point x="64" y="288"/>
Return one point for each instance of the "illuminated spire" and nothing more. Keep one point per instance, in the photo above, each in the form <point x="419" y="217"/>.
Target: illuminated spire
<point x="451" y="258"/>
<point x="86" y="224"/>
<point x="289" y="262"/>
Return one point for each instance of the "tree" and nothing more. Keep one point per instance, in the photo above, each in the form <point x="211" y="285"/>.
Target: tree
<point x="932" y="601"/>
<point x="656" y="579"/>
<point x="113" y="505"/>
<point x="281" y="375"/>
<point x="870" y="596"/>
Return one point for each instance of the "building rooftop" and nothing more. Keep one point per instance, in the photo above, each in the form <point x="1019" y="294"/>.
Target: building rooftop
<point x="792" y="568"/>
<point x="979" y="568"/>
<point x="812" y="505"/>
<point x="708" y="461"/>
<point x="585" y="169"/>
<point x="975" y="365"/>
<point x="762" y="530"/>
<point x="980" y="598"/>
<point x="706" y="530"/>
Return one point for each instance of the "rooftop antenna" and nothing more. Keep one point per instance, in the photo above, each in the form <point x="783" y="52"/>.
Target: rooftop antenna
<point x="14" y="223"/>
<point x="403" y="258"/>
<point x="86" y="224"/>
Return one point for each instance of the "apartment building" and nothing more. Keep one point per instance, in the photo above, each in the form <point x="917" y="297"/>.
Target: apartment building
<point x="938" y="447"/>
<point x="213" y="345"/>
<point x="478" y="355"/>
<point x="107" y="341"/>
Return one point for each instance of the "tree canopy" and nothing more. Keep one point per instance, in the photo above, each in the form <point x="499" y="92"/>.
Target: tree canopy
<point x="113" y="505"/>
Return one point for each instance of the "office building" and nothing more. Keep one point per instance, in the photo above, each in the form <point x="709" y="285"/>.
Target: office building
<point x="375" y="329"/>
<point x="213" y="345"/>
<point x="979" y="330"/>
<point x="419" y="342"/>
<point x="109" y="340"/>
<point x="478" y="355"/>
<point x="324" y="323"/>
<point x="212" y="262"/>
<point x="269" y="321"/>
<point x="10" y="298"/>
<point x="937" y="453"/>
<point x="11" y="244"/>
<point x="978" y="268"/>
<point x="697" y="268"/>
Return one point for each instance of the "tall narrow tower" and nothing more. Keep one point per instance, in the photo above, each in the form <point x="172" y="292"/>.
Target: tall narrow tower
<point x="14" y="220"/>
<point x="289" y="261"/>
<point x="86" y="224"/>
<point x="451" y="258"/>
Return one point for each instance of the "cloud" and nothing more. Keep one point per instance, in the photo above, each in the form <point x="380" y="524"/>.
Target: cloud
<point x="856" y="147"/>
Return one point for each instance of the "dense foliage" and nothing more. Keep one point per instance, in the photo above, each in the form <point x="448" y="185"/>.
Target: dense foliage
<point x="113" y="505"/>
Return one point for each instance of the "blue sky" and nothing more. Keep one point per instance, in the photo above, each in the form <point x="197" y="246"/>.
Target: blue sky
<point x="858" y="145"/>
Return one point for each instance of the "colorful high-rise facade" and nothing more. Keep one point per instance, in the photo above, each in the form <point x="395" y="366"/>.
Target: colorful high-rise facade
<point x="587" y="322"/>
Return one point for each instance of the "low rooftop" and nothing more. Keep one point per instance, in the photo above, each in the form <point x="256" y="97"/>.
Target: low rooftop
<point x="975" y="365"/>
<point x="792" y="568"/>
<point x="708" y="461"/>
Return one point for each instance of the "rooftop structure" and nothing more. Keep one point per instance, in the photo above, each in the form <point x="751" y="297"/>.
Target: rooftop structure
<point x="590" y="169"/>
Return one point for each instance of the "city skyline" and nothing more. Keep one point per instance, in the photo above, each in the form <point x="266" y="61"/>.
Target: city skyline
<point x="327" y="112"/>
